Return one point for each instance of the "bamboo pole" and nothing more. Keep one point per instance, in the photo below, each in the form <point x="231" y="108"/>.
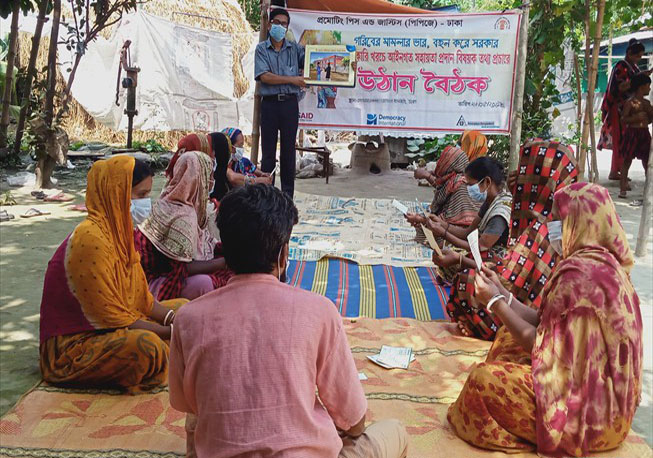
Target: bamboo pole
<point x="518" y="95"/>
<point x="598" y="31"/>
<point x="256" y="121"/>
<point x="647" y="207"/>
<point x="579" y="108"/>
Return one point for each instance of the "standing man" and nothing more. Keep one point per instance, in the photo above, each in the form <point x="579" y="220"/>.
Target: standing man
<point x="319" y="71"/>
<point x="278" y="66"/>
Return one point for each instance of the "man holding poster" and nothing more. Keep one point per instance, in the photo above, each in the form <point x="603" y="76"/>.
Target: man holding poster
<point x="278" y="65"/>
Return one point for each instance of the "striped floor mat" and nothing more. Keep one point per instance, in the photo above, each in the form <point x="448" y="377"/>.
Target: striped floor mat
<point x="377" y="291"/>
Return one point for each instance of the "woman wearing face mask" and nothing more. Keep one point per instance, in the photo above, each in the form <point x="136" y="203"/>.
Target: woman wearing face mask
<point x="100" y="326"/>
<point x="485" y="185"/>
<point x="178" y="253"/>
<point x="141" y="204"/>
<point x="544" y="168"/>
<point x="242" y="171"/>
<point x="582" y="389"/>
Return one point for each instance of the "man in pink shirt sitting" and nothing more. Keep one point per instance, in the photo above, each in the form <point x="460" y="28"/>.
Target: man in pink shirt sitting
<point x="246" y="360"/>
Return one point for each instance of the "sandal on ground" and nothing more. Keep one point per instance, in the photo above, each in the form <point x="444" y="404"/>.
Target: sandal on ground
<point x="60" y="197"/>
<point x="637" y="203"/>
<point x="79" y="208"/>
<point x="623" y="195"/>
<point x="39" y="195"/>
<point x="4" y="216"/>
<point x="32" y="212"/>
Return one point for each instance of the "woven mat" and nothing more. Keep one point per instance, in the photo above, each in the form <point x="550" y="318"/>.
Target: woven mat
<point x="56" y="423"/>
<point x="378" y="291"/>
<point x="366" y="231"/>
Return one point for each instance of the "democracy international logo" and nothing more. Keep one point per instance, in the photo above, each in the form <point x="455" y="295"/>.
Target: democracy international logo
<point x="372" y="119"/>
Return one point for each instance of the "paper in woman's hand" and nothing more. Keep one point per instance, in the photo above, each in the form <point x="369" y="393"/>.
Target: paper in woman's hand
<point x="472" y="239"/>
<point x="431" y="239"/>
<point x="399" y="206"/>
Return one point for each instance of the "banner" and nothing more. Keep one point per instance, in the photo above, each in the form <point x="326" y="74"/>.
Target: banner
<point x="424" y="73"/>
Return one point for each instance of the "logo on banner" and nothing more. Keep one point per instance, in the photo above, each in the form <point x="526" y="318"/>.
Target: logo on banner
<point x="385" y="120"/>
<point x="306" y="116"/>
<point x="502" y="24"/>
<point x="461" y="121"/>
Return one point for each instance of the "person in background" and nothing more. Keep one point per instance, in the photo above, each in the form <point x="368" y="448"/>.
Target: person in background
<point x="250" y="360"/>
<point x="241" y="170"/>
<point x="544" y="168"/>
<point x="617" y="92"/>
<point x="451" y="201"/>
<point x="179" y="255"/>
<point x="318" y="68"/>
<point x="581" y="391"/>
<point x="636" y="116"/>
<point x="328" y="72"/>
<point x="141" y="203"/>
<point x="474" y="144"/>
<point x="100" y="326"/>
<point x="278" y="65"/>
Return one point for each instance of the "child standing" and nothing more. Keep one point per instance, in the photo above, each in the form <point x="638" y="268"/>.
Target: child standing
<point x="636" y="116"/>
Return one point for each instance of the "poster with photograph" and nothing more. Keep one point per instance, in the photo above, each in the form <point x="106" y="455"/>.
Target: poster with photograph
<point x="330" y="65"/>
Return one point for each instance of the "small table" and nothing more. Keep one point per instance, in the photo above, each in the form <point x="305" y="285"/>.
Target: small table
<point x="324" y="153"/>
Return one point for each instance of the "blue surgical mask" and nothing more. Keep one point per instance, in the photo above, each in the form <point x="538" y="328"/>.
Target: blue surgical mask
<point x="140" y="210"/>
<point x="277" y="32"/>
<point x="475" y="192"/>
<point x="555" y="235"/>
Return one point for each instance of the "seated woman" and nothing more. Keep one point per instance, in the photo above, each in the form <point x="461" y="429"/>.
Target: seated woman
<point x="451" y="201"/>
<point x="491" y="221"/>
<point x="582" y="390"/>
<point x="178" y="254"/>
<point x="544" y="168"/>
<point x="100" y="326"/>
<point x="241" y="170"/>
<point x="474" y="144"/>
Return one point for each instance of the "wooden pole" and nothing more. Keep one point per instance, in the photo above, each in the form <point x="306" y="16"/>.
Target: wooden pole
<point x="582" y="156"/>
<point x="518" y="110"/>
<point x="579" y="108"/>
<point x="647" y="207"/>
<point x="256" y="121"/>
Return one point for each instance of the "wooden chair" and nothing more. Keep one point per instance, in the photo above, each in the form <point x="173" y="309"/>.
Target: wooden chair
<point x="324" y="153"/>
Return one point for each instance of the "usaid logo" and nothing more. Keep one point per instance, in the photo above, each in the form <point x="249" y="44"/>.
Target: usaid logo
<point x="306" y="116"/>
<point x="372" y="119"/>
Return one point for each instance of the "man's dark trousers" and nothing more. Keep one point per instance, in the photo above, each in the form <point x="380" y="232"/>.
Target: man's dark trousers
<point x="280" y="114"/>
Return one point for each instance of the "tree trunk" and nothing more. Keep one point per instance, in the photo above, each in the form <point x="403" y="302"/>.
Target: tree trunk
<point x="582" y="157"/>
<point x="31" y="73"/>
<point x="9" y="77"/>
<point x="45" y="164"/>
<point x="579" y="108"/>
<point x="600" y="7"/>
<point x="518" y="113"/>
<point x="66" y="100"/>
<point x="647" y="207"/>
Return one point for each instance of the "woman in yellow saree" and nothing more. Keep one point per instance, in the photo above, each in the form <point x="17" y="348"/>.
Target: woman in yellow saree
<point x="100" y="325"/>
<point x="578" y="391"/>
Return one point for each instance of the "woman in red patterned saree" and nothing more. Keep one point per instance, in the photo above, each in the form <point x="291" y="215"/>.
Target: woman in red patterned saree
<point x="581" y="391"/>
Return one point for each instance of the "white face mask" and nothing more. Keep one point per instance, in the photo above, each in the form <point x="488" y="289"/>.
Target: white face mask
<point x="555" y="235"/>
<point x="238" y="155"/>
<point x="140" y="210"/>
<point x="282" y="276"/>
<point x="475" y="192"/>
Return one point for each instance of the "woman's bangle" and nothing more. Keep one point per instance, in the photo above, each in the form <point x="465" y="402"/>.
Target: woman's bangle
<point x="494" y="299"/>
<point x="169" y="316"/>
<point x="460" y="262"/>
<point x="510" y="298"/>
